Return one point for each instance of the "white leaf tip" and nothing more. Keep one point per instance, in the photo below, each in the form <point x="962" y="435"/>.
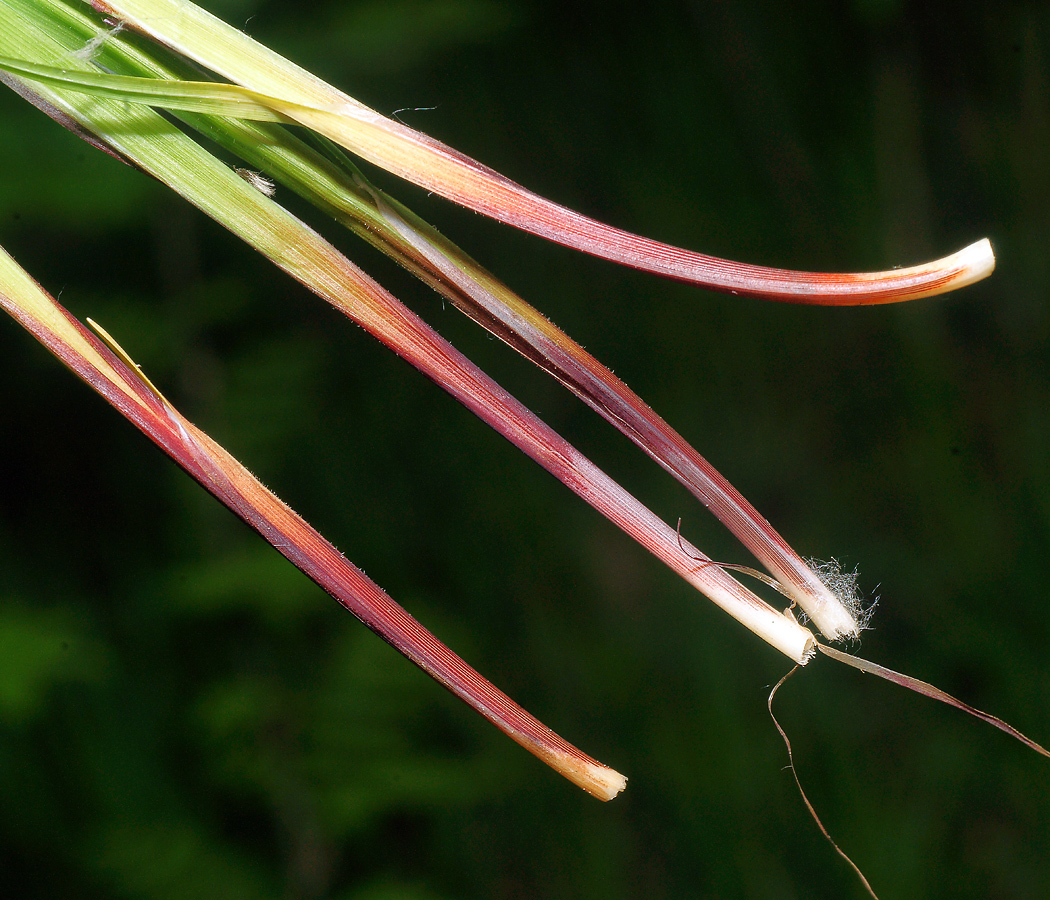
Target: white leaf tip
<point x="975" y="262"/>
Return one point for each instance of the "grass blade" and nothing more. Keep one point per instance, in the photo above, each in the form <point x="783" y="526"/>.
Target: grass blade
<point x="159" y="148"/>
<point x="308" y="100"/>
<point x="121" y="383"/>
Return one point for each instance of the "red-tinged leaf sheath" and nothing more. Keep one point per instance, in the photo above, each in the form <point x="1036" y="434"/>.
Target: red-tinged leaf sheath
<point x="219" y="192"/>
<point x="300" y="251"/>
<point x="235" y="487"/>
<point x="498" y="309"/>
<point x="302" y="97"/>
<point x="304" y="547"/>
<point x="349" y="289"/>
<point x="437" y="167"/>
<point x="445" y="267"/>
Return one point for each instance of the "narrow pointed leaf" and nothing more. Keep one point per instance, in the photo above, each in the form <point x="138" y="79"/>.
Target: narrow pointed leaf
<point x="294" y="92"/>
<point x="120" y="382"/>
<point x="159" y="148"/>
<point x="928" y="690"/>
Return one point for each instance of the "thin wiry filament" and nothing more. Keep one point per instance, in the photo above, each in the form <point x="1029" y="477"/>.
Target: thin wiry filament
<point x="802" y="793"/>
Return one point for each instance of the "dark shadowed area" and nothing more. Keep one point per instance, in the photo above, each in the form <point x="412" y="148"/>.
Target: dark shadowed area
<point x="184" y="716"/>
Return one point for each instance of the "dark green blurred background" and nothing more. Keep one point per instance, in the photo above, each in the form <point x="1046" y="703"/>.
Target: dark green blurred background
<point x="183" y="715"/>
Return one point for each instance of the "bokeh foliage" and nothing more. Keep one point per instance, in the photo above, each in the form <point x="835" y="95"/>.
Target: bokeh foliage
<point x="183" y="715"/>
